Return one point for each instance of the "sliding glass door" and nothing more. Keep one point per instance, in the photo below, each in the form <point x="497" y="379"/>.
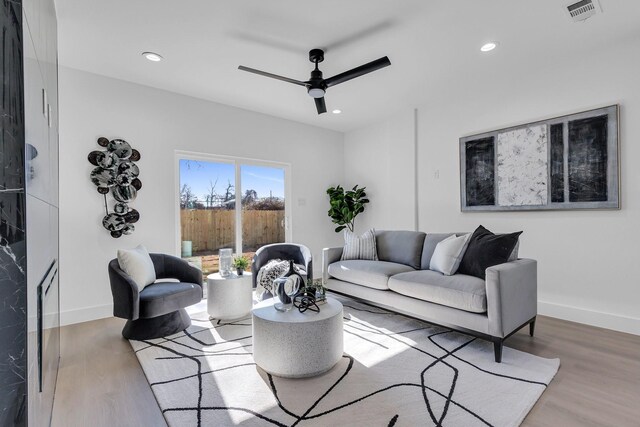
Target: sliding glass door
<point x="229" y="203"/>
<point x="263" y="206"/>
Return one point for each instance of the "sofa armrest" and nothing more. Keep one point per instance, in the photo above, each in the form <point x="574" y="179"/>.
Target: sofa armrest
<point x="329" y="256"/>
<point x="512" y="295"/>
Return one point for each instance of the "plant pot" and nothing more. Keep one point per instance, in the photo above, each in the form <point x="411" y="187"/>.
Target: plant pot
<point x="240" y="271"/>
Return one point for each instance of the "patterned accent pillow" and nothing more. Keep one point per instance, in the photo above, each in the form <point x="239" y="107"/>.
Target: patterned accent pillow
<point x="360" y="247"/>
<point x="270" y="272"/>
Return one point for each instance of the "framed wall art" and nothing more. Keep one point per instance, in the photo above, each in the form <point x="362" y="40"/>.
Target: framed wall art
<point x="568" y="162"/>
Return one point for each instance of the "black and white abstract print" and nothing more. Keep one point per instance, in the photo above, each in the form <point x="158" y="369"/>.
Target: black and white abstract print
<point x="395" y="371"/>
<point x="566" y="162"/>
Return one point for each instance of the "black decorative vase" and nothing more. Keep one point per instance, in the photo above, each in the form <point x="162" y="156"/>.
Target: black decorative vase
<point x="240" y="271"/>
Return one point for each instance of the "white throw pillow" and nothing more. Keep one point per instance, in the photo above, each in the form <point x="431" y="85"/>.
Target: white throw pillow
<point x="138" y="265"/>
<point x="514" y="252"/>
<point x="448" y="254"/>
<point x="360" y="247"/>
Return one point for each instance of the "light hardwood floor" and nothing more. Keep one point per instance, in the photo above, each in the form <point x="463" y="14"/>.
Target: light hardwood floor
<point x="101" y="383"/>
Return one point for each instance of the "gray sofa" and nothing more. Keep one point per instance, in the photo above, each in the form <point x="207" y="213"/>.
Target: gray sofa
<point x="401" y="281"/>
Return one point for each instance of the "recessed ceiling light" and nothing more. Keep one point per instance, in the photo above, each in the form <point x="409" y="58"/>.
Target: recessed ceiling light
<point x="488" y="47"/>
<point x="152" y="56"/>
<point x="337" y="111"/>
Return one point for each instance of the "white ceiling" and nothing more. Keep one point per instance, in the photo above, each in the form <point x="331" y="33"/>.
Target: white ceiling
<point x="432" y="45"/>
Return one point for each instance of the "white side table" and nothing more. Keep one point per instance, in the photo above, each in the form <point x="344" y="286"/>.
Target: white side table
<point x="294" y="344"/>
<point x="229" y="297"/>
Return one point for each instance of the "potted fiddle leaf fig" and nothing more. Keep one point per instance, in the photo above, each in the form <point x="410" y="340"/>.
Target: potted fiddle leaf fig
<point x="240" y="263"/>
<point x="345" y="206"/>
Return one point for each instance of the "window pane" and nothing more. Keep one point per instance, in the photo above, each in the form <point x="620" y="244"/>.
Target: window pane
<point x="207" y="211"/>
<point x="263" y="219"/>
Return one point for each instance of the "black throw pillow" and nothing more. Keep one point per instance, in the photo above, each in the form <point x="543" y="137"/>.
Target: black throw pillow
<point x="486" y="249"/>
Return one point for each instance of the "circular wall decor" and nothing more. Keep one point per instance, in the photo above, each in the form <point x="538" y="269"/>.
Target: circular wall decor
<point x="115" y="172"/>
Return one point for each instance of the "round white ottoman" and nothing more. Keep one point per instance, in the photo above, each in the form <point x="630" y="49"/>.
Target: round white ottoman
<point x="294" y="344"/>
<point x="229" y="297"/>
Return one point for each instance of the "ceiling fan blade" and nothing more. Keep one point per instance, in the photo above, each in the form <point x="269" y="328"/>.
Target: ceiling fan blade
<point x="320" y="105"/>
<point x="358" y="71"/>
<point x="273" y="76"/>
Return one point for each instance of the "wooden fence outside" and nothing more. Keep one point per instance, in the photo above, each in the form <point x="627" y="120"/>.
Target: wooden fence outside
<point x="210" y="230"/>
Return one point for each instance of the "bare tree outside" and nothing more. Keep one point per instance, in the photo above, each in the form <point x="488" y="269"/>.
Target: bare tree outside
<point x="187" y="198"/>
<point x="250" y="196"/>
<point x="212" y="196"/>
<point x="229" y="193"/>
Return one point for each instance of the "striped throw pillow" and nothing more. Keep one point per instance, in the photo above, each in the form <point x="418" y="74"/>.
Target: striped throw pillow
<point x="360" y="247"/>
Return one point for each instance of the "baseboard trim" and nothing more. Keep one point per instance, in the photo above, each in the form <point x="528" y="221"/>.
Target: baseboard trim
<point x="79" y="315"/>
<point x="630" y="325"/>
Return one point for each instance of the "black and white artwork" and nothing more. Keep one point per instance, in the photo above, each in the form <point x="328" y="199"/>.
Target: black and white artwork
<point x="568" y="162"/>
<point x="115" y="172"/>
<point x="480" y="167"/>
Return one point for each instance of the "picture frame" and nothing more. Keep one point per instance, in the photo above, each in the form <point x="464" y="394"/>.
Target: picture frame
<point x="565" y="162"/>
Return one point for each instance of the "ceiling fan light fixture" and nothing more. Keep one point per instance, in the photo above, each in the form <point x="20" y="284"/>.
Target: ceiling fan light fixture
<point x="152" y="56"/>
<point x="317" y="85"/>
<point x="488" y="47"/>
<point x="337" y="111"/>
<point x="316" y="92"/>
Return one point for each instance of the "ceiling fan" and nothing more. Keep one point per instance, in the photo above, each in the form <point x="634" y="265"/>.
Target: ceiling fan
<point x="316" y="85"/>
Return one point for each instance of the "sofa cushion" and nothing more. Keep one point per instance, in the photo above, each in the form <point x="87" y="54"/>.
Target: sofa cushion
<point x="372" y="274"/>
<point x="360" y="247"/>
<point x="164" y="297"/>
<point x="514" y="252"/>
<point x="137" y="264"/>
<point x="448" y="254"/>
<point x="431" y="240"/>
<point x="402" y="247"/>
<point x="458" y="291"/>
<point x="485" y="250"/>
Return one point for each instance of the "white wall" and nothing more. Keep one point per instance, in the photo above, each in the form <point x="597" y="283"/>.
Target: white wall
<point x="587" y="259"/>
<point x="381" y="158"/>
<point x="157" y="123"/>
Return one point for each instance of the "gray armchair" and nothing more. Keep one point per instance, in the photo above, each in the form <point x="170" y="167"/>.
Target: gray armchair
<point x="157" y="310"/>
<point x="300" y="254"/>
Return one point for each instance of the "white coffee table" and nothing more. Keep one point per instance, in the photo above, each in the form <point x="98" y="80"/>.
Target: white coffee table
<point x="229" y="297"/>
<point x="294" y="344"/>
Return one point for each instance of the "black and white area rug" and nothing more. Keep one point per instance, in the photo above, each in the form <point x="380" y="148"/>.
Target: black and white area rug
<point x="396" y="371"/>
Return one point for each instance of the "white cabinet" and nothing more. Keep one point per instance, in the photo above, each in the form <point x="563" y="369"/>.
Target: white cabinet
<point x="37" y="171"/>
<point x="41" y="180"/>
<point x="41" y="100"/>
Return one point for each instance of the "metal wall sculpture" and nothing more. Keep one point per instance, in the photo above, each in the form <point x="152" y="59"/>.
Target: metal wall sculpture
<point x="117" y="172"/>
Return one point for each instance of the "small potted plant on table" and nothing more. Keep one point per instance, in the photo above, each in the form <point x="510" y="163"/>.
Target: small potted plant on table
<point x="240" y="263"/>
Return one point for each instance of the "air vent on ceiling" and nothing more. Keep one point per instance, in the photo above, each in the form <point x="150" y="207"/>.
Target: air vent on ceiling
<point x="583" y="10"/>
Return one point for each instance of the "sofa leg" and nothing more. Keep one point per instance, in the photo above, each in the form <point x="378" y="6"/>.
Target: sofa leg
<point x="497" y="350"/>
<point x="532" y="327"/>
